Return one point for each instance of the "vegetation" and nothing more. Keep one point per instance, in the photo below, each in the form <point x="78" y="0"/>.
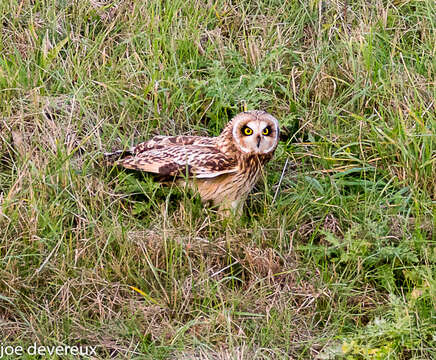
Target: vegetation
<point x="334" y="257"/>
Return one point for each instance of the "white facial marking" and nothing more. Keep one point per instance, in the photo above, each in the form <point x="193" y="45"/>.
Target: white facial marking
<point x="236" y="135"/>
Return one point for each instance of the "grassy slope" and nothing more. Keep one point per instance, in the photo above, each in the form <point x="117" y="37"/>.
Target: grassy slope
<point x="342" y="262"/>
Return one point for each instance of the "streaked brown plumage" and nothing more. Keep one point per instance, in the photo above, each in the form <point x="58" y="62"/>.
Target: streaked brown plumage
<point x="224" y="168"/>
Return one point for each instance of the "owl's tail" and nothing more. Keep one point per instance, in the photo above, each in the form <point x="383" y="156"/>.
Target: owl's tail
<point x="117" y="155"/>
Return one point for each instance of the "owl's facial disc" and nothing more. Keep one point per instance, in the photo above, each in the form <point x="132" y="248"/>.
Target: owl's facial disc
<point x="255" y="132"/>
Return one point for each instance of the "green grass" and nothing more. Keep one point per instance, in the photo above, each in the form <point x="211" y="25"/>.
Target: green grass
<point x="338" y="262"/>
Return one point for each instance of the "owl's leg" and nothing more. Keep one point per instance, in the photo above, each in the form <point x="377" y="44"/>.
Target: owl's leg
<point x="231" y="207"/>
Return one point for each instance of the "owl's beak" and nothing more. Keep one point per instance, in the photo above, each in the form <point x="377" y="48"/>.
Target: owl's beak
<point x="258" y="140"/>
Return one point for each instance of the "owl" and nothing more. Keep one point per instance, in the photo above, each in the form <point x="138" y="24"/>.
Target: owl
<point x="223" y="169"/>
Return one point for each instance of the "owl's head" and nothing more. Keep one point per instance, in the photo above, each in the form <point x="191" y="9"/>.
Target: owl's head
<point x="255" y="132"/>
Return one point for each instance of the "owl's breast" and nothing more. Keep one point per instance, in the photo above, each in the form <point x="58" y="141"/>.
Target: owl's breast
<point x="234" y="186"/>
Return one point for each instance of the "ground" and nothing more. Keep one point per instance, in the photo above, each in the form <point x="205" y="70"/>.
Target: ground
<point x="334" y="256"/>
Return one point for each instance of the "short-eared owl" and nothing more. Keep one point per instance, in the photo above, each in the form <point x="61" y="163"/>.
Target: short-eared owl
<point x="224" y="168"/>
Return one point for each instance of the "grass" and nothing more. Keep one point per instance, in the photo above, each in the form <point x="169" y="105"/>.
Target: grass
<point x="338" y="262"/>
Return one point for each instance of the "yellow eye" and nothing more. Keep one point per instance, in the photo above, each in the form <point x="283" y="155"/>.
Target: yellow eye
<point x="265" y="131"/>
<point x="248" y="131"/>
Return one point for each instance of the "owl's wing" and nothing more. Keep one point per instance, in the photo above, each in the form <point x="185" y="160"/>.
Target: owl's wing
<point x="175" y="160"/>
<point x="159" y="142"/>
<point x="182" y="140"/>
